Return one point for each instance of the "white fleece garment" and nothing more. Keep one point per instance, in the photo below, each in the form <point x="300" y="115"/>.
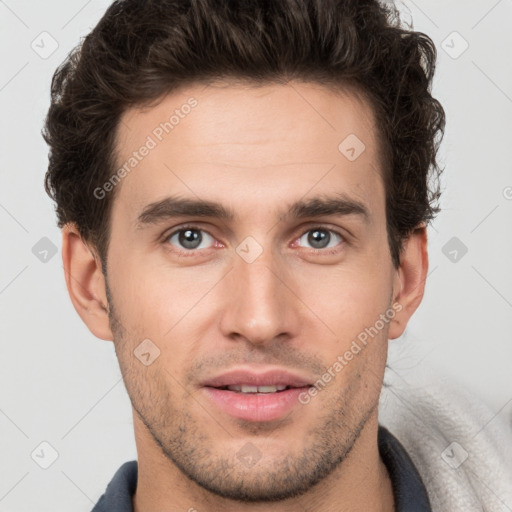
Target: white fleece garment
<point x="461" y="448"/>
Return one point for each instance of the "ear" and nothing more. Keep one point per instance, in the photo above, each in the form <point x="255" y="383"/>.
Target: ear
<point x="85" y="282"/>
<point x="409" y="281"/>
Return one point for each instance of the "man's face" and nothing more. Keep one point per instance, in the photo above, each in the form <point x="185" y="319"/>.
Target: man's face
<point x="265" y="290"/>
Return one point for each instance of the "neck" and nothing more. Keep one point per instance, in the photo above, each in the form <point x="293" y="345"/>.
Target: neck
<point x="360" y="482"/>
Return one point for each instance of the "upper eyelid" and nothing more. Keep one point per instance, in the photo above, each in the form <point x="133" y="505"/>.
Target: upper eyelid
<point x="172" y="232"/>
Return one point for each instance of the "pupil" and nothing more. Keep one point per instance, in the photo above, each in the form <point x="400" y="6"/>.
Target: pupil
<point x="190" y="238"/>
<point x="319" y="238"/>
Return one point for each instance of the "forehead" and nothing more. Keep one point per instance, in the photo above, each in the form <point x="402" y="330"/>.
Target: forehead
<point x="272" y="139"/>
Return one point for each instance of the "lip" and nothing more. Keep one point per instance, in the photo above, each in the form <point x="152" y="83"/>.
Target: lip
<point x="256" y="407"/>
<point x="268" y="377"/>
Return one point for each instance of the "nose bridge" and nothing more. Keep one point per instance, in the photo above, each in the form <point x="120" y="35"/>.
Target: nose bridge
<point x="259" y="308"/>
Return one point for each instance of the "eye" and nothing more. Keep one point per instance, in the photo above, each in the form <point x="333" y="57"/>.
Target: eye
<point x="189" y="239"/>
<point x="320" y="238"/>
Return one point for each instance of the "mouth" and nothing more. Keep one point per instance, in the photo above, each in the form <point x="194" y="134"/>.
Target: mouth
<point x="246" y="388"/>
<point x="256" y="397"/>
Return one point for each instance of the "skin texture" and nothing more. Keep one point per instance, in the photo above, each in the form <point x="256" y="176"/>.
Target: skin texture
<point x="255" y="151"/>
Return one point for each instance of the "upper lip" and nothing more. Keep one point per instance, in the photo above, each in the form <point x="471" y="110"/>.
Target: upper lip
<point x="267" y="377"/>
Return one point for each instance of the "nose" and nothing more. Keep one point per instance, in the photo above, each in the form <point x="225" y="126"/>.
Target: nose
<point x="261" y="305"/>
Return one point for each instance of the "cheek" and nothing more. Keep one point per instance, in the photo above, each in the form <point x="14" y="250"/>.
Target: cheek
<point x="156" y="301"/>
<point x="348" y="300"/>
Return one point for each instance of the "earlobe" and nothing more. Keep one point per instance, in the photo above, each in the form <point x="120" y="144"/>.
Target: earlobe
<point x="409" y="283"/>
<point x="85" y="282"/>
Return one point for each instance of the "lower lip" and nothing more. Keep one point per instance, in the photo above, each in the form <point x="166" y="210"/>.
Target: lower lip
<point x="256" y="406"/>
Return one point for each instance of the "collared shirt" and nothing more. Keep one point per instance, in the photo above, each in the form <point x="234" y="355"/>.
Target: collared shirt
<point x="408" y="489"/>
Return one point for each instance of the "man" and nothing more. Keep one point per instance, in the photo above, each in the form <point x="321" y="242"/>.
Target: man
<point x="243" y="194"/>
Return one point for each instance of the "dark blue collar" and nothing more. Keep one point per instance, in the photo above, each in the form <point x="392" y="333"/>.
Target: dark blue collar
<point x="408" y="489"/>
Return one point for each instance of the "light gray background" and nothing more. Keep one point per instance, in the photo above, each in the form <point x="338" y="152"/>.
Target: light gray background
<point x="61" y="385"/>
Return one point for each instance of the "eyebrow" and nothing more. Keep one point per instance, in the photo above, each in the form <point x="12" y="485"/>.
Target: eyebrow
<point x="171" y="207"/>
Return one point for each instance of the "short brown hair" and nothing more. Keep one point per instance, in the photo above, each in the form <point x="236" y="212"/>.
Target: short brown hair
<point x="140" y="51"/>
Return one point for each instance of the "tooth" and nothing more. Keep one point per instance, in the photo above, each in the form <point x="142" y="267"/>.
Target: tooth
<point x="267" y="389"/>
<point x="256" y="389"/>
<point x="249" y="389"/>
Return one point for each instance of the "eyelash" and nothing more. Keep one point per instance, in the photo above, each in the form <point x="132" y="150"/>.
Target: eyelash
<point x="193" y="252"/>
